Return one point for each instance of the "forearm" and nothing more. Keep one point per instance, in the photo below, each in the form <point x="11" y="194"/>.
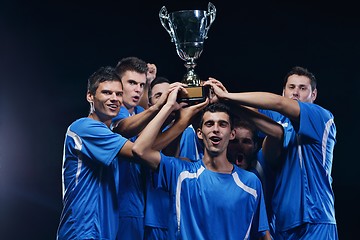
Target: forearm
<point x="265" y="100"/>
<point x="166" y="137"/>
<point x="143" y="146"/>
<point x="261" y="122"/>
<point x="132" y="126"/>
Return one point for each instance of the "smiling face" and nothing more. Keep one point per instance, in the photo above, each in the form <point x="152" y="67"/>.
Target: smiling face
<point x="299" y="88"/>
<point x="215" y="132"/>
<point x="106" y="101"/>
<point x="133" y="83"/>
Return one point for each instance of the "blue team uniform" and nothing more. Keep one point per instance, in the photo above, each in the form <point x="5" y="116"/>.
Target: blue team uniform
<point x="131" y="191"/>
<point x="211" y="205"/>
<point x="303" y="191"/>
<point x="267" y="177"/>
<point x="90" y="181"/>
<point x="158" y="200"/>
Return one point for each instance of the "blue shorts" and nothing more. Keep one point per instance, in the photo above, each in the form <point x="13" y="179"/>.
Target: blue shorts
<point x="309" y="231"/>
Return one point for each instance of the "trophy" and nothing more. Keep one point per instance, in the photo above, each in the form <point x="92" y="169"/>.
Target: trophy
<point x="188" y="29"/>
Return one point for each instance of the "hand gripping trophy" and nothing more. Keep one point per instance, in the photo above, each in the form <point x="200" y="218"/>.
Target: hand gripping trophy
<point x="188" y="29"/>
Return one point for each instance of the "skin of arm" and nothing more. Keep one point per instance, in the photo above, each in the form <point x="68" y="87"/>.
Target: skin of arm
<point x="145" y="148"/>
<point x="150" y="76"/>
<point x="264" y="100"/>
<point x="132" y="126"/>
<point x="272" y="144"/>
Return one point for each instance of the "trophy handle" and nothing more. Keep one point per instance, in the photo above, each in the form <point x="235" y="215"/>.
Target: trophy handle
<point x="164" y="19"/>
<point x="212" y="14"/>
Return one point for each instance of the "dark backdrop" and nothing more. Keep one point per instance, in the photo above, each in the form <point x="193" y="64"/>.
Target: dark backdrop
<point x="48" y="50"/>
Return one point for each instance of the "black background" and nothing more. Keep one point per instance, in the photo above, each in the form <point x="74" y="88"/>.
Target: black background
<point x="48" y="50"/>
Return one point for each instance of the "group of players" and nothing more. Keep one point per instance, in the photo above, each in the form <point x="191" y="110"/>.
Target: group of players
<point x="248" y="165"/>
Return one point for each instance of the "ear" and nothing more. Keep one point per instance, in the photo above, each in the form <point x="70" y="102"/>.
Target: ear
<point x="89" y="97"/>
<point x="232" y="134"/>
<point x="314" y="95"/>
<point x="199" y="133"/>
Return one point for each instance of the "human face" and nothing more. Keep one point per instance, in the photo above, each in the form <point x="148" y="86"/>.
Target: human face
<point x="133" y="84"/>
<point x="106" y="102"/>
<point x="157" y="91"/>
<point x="299" y="88"/>
<point x="215" y="132"/>
<point x="242" y="149"/>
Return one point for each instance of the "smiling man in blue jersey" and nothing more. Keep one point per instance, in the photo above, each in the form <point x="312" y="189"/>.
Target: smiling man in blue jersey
<point x="303" y="199"/>
<point x="211" y="198"/>
<point x="90" y="162"/>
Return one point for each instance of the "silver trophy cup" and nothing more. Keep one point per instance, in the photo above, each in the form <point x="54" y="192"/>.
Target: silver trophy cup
<point x="188" y="29"/>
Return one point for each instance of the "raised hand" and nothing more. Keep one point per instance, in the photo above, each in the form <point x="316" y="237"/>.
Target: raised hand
<point x="151" y="73"/>
<point x="218" y="90"/>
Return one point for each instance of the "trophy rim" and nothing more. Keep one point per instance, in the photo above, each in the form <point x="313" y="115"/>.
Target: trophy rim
<point x="192" y="10"/>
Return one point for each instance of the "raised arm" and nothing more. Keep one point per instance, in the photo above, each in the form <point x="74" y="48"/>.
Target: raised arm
<point x="273" y="142"/>
<point x="143" y="146"/>
<point x="132" y="126"/>
<point x="263" y="100"/>
<point x="148" y="149"/>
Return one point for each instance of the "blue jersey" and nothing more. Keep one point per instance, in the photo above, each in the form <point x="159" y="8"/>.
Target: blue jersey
<point x="267" y="177"/>
<point x="90" y="181"/>
<point x="211" y="205"/>
<point x="132" y="179"/>
<point x="158" y="200"/>
<point x="303" y="191"/>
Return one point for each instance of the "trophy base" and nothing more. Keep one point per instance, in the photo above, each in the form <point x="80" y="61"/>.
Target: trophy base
<point x="195" y="95"/>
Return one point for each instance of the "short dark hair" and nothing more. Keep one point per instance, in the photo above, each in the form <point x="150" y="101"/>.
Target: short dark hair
<point x="157" y="80"/>
<point x="240" y="123"/>
<point x="301" y="71"/>
<point x="101" y="75"/>
<point x="217" y="107"/>
<point x="131" y="64"/>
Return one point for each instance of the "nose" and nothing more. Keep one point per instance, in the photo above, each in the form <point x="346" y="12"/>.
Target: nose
<point x="137" y="88"/>
<point x="216" y="127"/>
<point x="296" y="92"/>
<point x="116" y="97"/>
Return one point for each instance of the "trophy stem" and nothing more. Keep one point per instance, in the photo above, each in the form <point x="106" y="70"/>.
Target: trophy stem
<point x="191" y="78"/>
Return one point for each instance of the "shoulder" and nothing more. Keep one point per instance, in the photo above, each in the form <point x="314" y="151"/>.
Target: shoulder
<point x="314" y="109"/>
<point x="246" y="176"/>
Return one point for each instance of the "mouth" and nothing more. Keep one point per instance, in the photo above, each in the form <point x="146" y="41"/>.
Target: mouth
<point x="240" y="158"/>
<point x="215" y="140"/>
<point x="113" y="107"/>
<point x="136" y="98"/>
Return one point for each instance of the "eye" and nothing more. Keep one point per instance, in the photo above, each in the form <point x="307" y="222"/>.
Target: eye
<point x="223" y="124"/>
<point x="106" y="92"/>
<point x="208" y="124"/>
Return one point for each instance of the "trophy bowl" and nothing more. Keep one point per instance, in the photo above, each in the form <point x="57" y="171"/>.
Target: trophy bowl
<point x="188" y="29"/>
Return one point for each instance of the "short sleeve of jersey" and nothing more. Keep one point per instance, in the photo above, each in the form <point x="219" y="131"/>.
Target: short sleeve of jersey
<point x="163" y="176"/>
<point x="189" y="146"/>
<point x="314" y="120"/>
<point x="95" y="140"/>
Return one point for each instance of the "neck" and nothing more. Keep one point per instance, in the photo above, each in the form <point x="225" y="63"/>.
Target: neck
<point x="95" y="117"/>
<point x="218" y="163"/>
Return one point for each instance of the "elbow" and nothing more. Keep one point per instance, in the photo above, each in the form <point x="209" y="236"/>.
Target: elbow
<point x="138" y="151"/>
